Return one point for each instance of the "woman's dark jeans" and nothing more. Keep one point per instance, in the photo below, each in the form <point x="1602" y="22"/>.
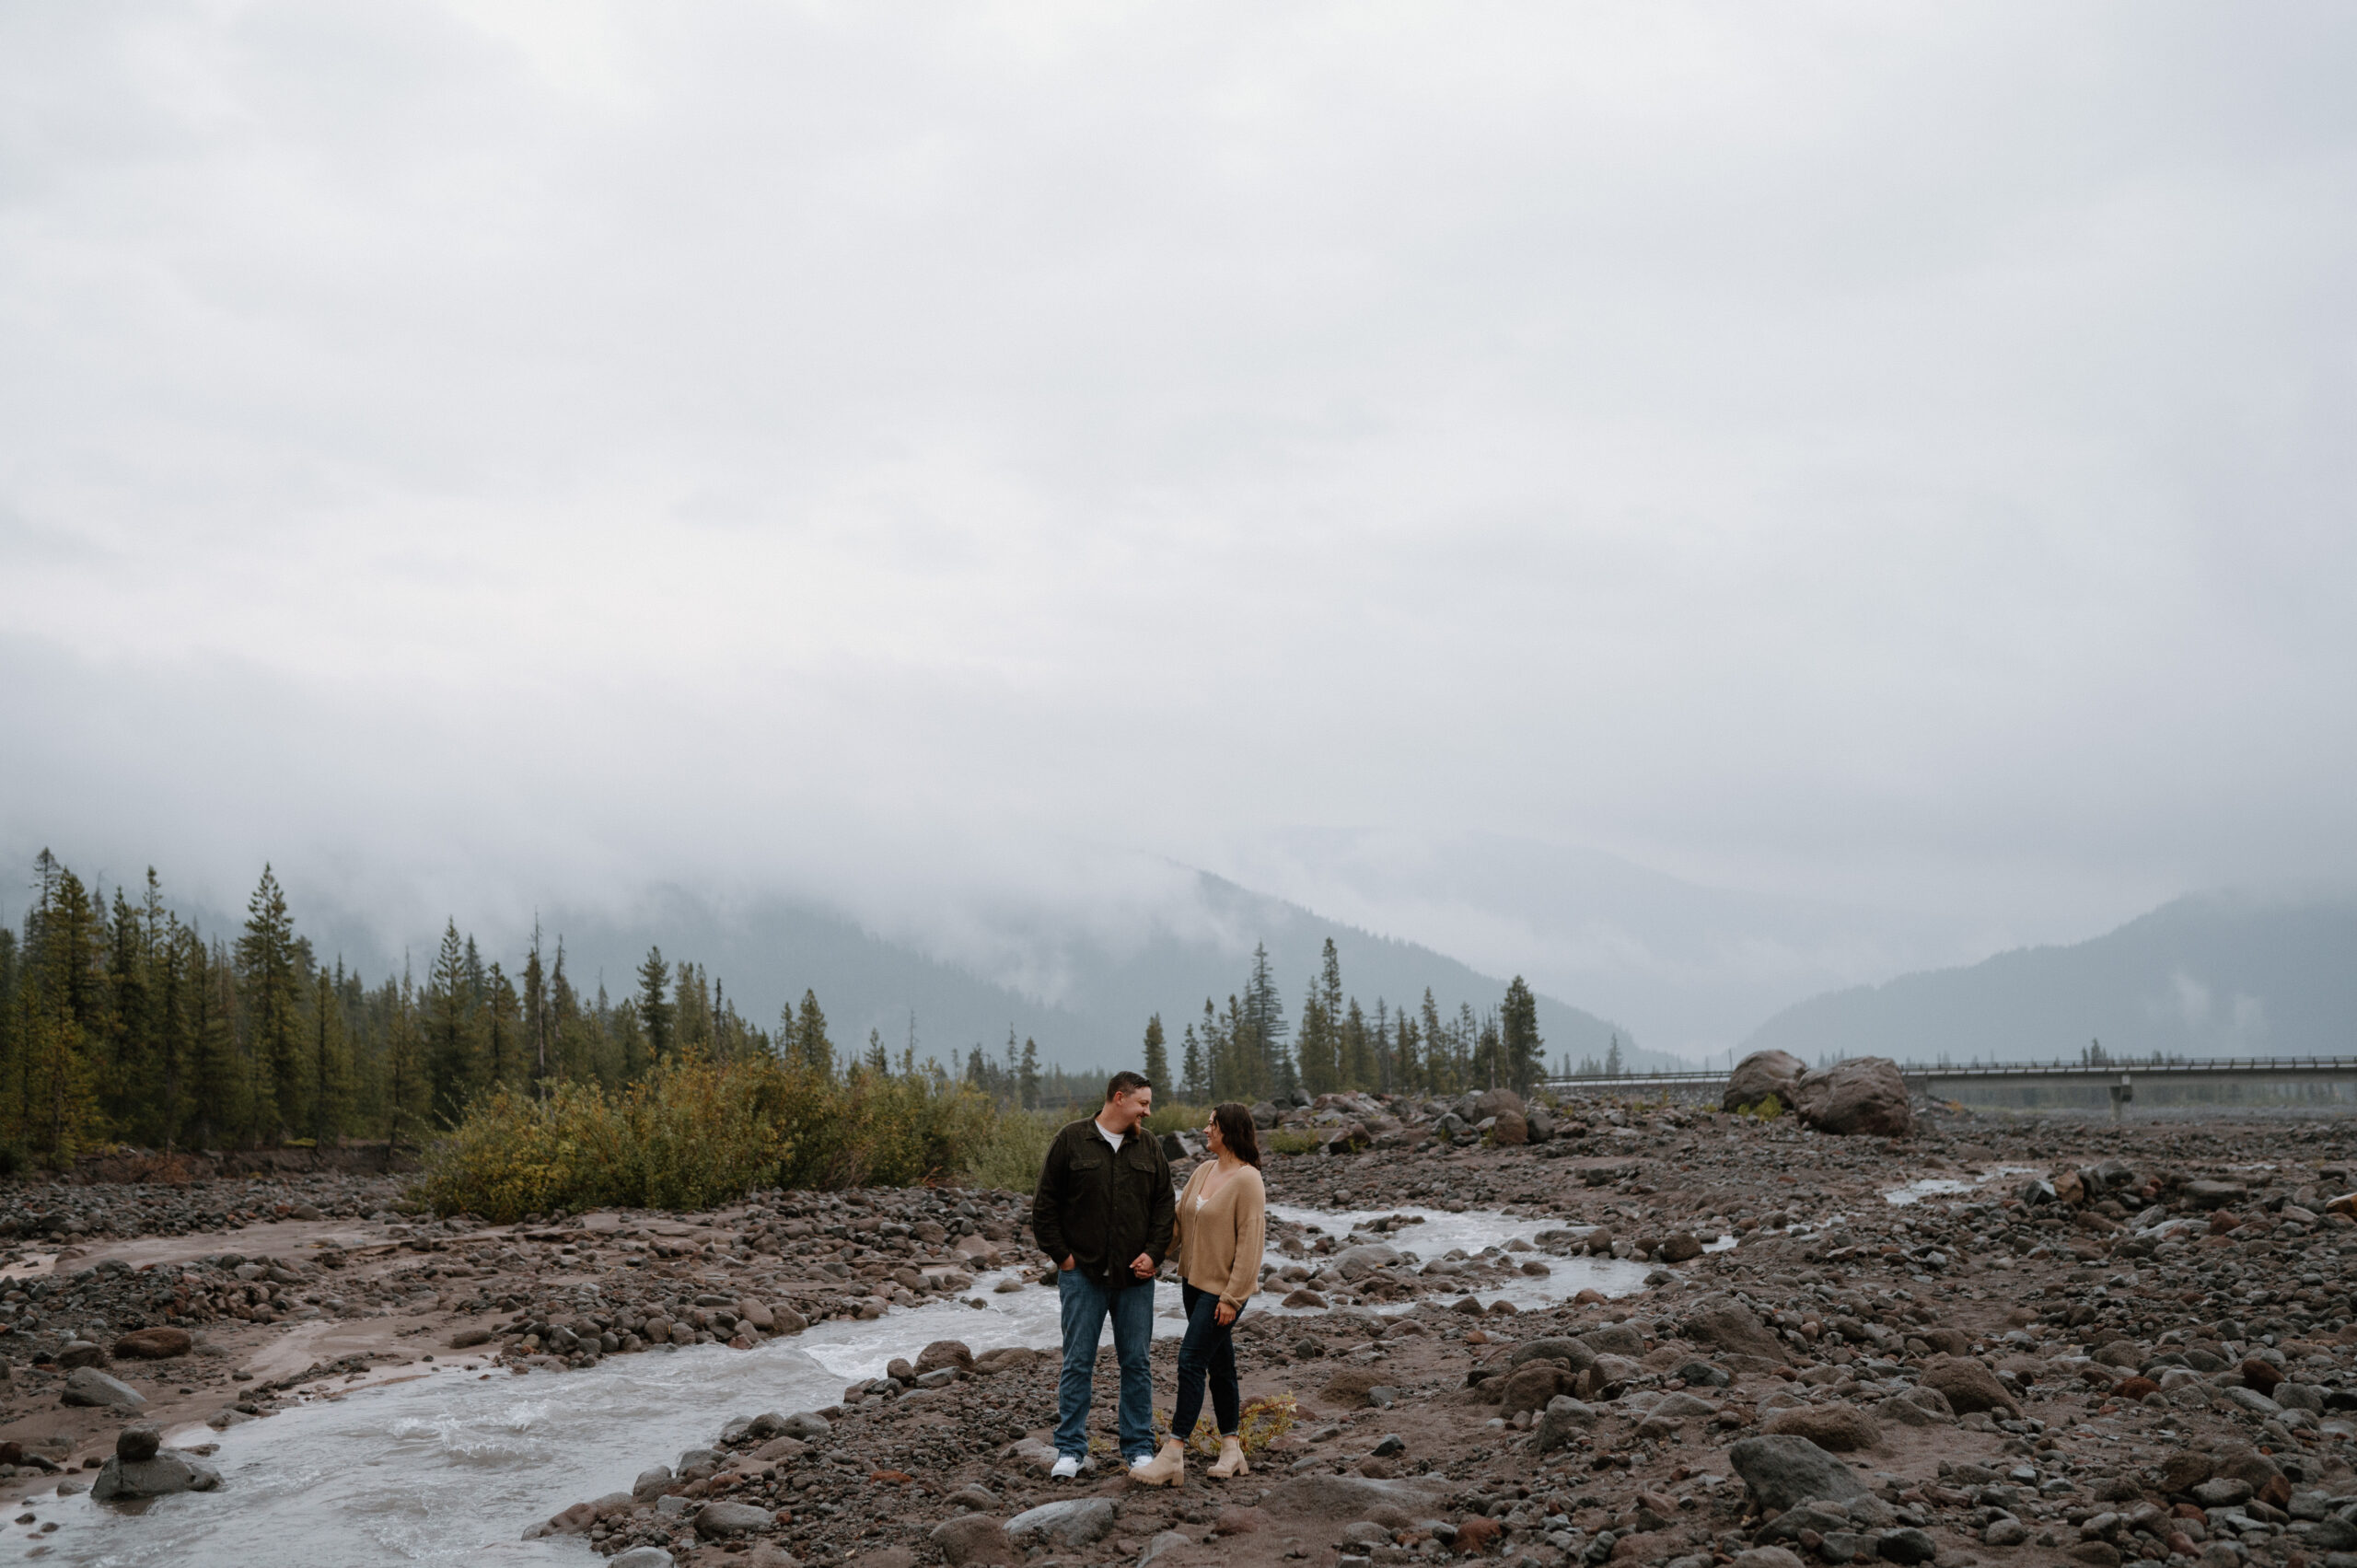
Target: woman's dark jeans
<point x="1209" y="1349"/>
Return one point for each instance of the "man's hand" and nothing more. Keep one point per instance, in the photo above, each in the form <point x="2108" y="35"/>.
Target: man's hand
<point x="1066" y="1264"/>
<point x="1142" y="1266"/>
<point x="1224" y="1314"/>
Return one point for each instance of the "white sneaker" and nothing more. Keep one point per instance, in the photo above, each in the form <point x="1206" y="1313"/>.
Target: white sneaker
<point x="1066" y="1468"/>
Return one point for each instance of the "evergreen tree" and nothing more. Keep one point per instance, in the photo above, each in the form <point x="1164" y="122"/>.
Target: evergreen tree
<point x="1526" y="1053"/>
<point x="537" y="1013"/>
<point x="1029" y="1082"/>
<point x="408" y="1091"/>
<point x="1157" y="1055"/>
<point x="1197" y="1087"/>
<point x="1358" y="1071"/>
<point x="329" y="1066"/>
<point x="1262" y="1015"/>
<point x="879" y="1060"/>
<point x="1441" y="1074"/>
<point x="1612" y="1068"/>
<point x="504" y="1064"/>
<point x="451" y="1061"/>
<point x="811" y="1046"/>
<point x="653" y="1012"/>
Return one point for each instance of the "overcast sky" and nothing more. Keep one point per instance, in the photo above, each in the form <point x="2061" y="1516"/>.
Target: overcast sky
<point x="488" y="451"/>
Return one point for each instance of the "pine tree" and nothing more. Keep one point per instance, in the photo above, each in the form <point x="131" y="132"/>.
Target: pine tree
<point x="1157" y="1055"/>
<point x="653" y="1012"/>
<point x="1029" y="1083"/>
<point x="502" y="1031"/>
<point x="1263" y="1017"/>
<point x="1612" y="1057"/>
<point x="536" y="1013"/>
<point x="1440" y="1075"/>
<point x="1357" y="1049"/>
<point x="408" y="1092"/>
<point x="451" y="1061"/>
<point x="879" y="1061"/>
<point x="812" y="1048"/>
<point x="329" y="1067"/>
<point x="1526" y="1053"/>
<point x="1191" y="1069"/>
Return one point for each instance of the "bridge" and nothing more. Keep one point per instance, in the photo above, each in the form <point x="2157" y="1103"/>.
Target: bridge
<point x="2118" y="1078"/>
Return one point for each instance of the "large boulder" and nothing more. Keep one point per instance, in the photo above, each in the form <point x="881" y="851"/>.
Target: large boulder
<point x="127" y="1481"/>
<point x="1532" y="1384"/>
<point x="1574" y="1354"/>
<point x="717" y="1521"/>
<point x="1863" y="1094"/>
<point x="1339" y="1498"/>
<point x="1071" y="1523"/>
<point x="155" y="1345"/>
<point x="1723" y="1321"/>
<point x="1966" y="1385"/>
<point x="1509" y="1129"/>
<point x="1760" y="1076"/>
<point x="1836" y="1428"/>
<point x="89" y="1386"/>
<point x="945" y="1352"/>
<point x="1783" y="1472"/>
<point x="975" y="1540"/>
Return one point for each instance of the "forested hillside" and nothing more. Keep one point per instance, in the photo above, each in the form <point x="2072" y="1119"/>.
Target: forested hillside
<point x="120" y="1021"/>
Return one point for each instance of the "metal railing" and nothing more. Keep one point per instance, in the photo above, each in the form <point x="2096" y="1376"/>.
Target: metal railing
<point x="2212" y="1066"/>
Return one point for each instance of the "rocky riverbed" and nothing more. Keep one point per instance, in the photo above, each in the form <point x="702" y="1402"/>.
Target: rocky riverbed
<point x="1989" y="1340"/>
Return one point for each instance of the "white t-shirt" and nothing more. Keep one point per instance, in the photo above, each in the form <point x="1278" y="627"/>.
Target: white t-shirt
<point x="1113" y="1138"/>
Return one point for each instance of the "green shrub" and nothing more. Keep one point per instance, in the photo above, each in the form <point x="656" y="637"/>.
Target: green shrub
<point x="1016" y="1149"/>
<point x="1289" y="1141"/>
<point x="695" y="1133"/>
<point x="1177" y="1115"/>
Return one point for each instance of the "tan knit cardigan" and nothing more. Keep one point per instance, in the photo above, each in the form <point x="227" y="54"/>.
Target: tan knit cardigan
<point x="1219" y="1248"/>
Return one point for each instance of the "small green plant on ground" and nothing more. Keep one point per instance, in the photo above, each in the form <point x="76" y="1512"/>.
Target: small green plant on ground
<point x="1289" y="1141"/>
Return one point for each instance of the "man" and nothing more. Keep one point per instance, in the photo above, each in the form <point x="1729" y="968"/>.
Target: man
<point x="1104" y="1212"/>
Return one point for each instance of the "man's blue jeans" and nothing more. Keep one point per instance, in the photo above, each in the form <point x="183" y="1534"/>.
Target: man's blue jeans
<point x="1086" y="1305"/>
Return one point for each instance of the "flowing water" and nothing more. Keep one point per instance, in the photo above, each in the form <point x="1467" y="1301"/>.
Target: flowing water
<point x="452" y="1466"/>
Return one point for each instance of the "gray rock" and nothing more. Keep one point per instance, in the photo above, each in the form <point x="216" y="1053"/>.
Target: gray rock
<point x="1365" y="1257"/>
<point x="1168" y="1540"/>
<point x="717" y="1521"/>
<point x="137" y="1443"/>
<point x="89" y="1386"/>
<point x="1767" y="1557"/>
<point x="1072" y="1523"/>
<point x="1906" y="1546"/>
<point x="1616" y="1338"/>
<point x="975" y="1539"/>
<point x="2333" y="1533"/>
<point x="1574" y="1354"/>
<point x="1346" y="1497"/>
<point x="641" y="1556"/>
<point x="651" y="1482"/>
<point x="2007" y="1531"/>
<point x="126" y="1480"/>
<point x="2250" y="1400"/>
<point x="1782" y="1472"/>
<point x="806" y="1425"/>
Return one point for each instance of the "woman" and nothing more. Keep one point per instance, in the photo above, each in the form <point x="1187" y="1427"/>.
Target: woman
<point x="1222" y="1219"/>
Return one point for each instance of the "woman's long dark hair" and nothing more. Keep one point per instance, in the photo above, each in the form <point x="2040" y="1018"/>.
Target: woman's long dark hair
<point x="1236" y="1131"/>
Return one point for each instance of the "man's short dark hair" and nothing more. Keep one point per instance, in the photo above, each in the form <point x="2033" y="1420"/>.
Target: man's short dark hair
<point x="1126" y="1082"/>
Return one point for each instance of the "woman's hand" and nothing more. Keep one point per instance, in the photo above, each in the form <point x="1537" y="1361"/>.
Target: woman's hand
<point x="1223" y="1314"/>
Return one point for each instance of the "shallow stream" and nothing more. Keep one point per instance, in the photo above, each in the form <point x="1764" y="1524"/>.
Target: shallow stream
<point x="452" y="1466"/>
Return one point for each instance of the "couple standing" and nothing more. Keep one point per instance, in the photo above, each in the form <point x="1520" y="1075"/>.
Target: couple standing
<point x="1105" y="1213"/>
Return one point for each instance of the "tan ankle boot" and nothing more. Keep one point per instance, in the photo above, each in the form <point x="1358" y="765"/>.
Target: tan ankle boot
<point x="1167" y="1468"/>
<point x="1231" y="1459"/>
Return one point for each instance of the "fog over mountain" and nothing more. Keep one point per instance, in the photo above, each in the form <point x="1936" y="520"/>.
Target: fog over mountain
<point x="1884" y="471"/>
<point x="2216" y="975"/>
